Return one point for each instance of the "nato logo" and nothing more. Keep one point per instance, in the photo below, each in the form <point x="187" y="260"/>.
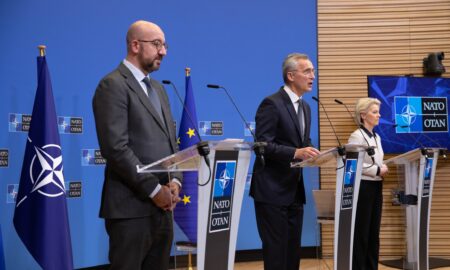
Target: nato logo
<point x="75" y="190"/>
<point x="46" y="172"/>
<point x="19" y="122"/>
<point x="69" y="125"/>
<point x="92" y="157"/>
<point x="4" y="158"/>
<point x="421" y="114"/>
<point x="222" y="199"/>
<point x="247" y="131"/>
<point x="349" y="183"/>
<point x="11" y="193"/>
<point x="428" y="169"/>
<point x="211" y="128"/>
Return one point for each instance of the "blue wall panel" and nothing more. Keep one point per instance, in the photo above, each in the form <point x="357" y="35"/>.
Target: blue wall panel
<point x="237" y="44"/>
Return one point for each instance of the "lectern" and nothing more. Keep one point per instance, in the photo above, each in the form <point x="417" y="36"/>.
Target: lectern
<point x="219" y="196"/>
<point x="348" y="178"/>
<point x="417" y="169"/>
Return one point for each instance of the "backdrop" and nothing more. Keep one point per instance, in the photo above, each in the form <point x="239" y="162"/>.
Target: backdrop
<point x="237" y="44"/>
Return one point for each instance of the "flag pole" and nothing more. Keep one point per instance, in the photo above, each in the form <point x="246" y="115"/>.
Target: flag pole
<point x="42" y="50"/>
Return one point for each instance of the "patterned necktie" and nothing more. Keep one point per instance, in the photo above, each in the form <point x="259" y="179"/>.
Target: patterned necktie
<point x="300" y="118"/>
<point x="153" y="96"/>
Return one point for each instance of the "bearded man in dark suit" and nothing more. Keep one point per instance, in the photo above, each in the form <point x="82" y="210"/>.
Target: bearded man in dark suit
<point x="283" y="120"/>
<point x="134" y="127"/>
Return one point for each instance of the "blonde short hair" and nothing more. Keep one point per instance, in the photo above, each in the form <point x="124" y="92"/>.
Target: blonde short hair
<point x="362" y="106"/>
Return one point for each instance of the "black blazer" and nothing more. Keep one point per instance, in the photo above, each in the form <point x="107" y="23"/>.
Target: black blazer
<point x="277" y="124"/>
<point x="130" y="132"/>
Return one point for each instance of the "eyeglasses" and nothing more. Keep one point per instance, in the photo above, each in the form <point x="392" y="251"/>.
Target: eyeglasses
<point x="157" y="43"/>
<point x="305" y="72"/>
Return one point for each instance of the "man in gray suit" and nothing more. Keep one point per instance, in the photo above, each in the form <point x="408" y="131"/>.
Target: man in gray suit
<point x="135" y="126"/>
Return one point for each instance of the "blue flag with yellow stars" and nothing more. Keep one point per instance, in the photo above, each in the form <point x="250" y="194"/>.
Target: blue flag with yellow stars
<point x="40" y="216"/>
<point x="186" y="210"/>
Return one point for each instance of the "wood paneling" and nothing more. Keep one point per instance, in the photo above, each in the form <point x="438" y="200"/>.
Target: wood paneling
<point x="388" y="37"/>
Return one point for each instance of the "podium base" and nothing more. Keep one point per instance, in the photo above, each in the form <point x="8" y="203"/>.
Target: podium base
<point x="402" y="264"/>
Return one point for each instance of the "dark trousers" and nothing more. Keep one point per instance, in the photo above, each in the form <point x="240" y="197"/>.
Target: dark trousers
<point x="280" y="230"/>
<point x="140" y="243"/>
<point x="366" y="241"/>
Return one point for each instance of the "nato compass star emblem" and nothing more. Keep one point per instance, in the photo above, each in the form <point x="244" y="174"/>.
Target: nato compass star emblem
<point x="348" y="175"/>
<point x="428" y="169"/>
<point x="224" y="179"/>
<point x="46" y="172"/>
<point x="409" y="114"/>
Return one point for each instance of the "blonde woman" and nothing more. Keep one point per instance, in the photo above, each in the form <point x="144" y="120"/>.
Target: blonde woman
<point x="366" y="239"/>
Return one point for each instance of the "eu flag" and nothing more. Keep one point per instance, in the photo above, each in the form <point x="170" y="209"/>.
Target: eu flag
<point x="186" y="211"/>
<point x="40" y="216"/>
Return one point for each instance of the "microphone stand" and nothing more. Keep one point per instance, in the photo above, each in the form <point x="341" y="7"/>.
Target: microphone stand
<point x="202" y="146"/>
<point x="341" y="149"/>
<point x="258" y="147"/>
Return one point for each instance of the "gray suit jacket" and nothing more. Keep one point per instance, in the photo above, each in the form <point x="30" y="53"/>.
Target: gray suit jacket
<point x="130" y="132"/>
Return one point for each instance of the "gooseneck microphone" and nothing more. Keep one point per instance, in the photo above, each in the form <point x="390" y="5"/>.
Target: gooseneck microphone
<point x="258" y="147"/>
<point x="341" y="149"/>
<point x="442" y="152"/>
<point x="202" y="146"/>
<point x="370" y="150"/>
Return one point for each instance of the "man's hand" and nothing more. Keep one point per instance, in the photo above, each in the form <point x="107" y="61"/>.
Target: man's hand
<point x="175" y="192"/>
<point x="305" y="153"/>
<point x="163" y="199"/>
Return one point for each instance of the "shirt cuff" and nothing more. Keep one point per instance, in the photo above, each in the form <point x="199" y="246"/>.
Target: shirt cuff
<point x="155" y="191"/>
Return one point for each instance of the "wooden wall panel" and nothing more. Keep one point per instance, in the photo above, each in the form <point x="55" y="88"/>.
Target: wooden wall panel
<point x="388" y="37"/>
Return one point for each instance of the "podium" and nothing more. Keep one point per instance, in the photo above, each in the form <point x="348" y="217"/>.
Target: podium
<point x="348" y="178"/>
<point x="417" y="169"/>
<point x="220" y="194"/>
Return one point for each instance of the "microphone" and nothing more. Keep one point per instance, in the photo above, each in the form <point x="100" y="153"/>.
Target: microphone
<point x="214" y="86"/>
<point x="341" y="149"/>
<point x="370" y="150"/>
<point x="258" y="147"/>
<point x="202" y="146"/>
<point x="442" y="152"/>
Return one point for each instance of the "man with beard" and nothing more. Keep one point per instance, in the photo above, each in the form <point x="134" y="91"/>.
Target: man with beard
<point x="134" y="127"/>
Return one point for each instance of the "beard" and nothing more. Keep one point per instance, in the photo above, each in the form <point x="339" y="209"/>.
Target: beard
<point x="150" y="64"/>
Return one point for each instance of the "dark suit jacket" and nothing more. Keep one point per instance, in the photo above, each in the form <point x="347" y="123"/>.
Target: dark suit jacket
<point x="277" y="124"/>
<point x="130" y="133"/>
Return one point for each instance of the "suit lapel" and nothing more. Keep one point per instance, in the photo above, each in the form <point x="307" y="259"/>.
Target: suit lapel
<point x="291" y="110"/>
<point x="166" y="112"/>
<point x="136" y="87"/>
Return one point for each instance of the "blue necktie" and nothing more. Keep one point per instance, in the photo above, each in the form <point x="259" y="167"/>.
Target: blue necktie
<point x="153" y="96"/>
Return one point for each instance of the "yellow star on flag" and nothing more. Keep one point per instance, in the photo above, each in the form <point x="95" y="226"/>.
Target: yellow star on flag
<point x="191" y="132"/>
<point x="178" y="140"/>
<point x="186" y="199"/>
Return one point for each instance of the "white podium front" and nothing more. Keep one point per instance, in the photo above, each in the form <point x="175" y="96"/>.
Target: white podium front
<point x="219" y="196"/>
<point x="348" y="178"/>
<point x="417" y="169"/>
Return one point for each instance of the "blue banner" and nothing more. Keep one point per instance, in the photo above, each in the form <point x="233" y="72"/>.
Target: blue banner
<point x="40" y="216"/>
<point x="186" y="211"/>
